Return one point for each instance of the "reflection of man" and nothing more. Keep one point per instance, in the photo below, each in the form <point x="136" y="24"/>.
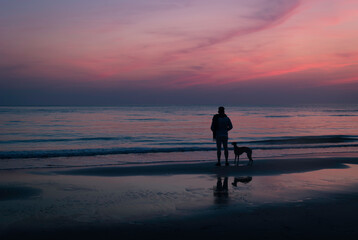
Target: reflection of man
<point x="221" y="192"/>
<point x="220" y="126"/>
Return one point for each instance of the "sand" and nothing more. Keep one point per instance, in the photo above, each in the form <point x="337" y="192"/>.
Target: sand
<point x="311" y="197"/>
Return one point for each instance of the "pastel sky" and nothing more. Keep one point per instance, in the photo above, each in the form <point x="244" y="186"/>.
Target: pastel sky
<point x="110" y="52"/>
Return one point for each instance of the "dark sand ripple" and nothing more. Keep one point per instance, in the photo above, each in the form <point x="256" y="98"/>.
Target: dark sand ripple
<point x="18" y="192"/>
<point x="260" y="167"/>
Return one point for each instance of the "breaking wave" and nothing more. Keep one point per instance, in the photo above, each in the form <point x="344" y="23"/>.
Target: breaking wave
<point x="336" y="141"/>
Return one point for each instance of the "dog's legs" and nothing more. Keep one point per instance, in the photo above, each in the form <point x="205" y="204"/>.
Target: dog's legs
<point x="238" y="158"/>
<point x="249" y="156"/>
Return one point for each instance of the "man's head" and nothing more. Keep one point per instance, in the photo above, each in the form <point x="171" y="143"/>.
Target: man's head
<point x="221" y="110"/>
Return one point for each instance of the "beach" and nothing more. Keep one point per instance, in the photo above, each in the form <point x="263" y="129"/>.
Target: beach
<point x="302" y="197"/>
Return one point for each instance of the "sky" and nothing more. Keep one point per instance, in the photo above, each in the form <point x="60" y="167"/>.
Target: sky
<point x="118" y="52"/>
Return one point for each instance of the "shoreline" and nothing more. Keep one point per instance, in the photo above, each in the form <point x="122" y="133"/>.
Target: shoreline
<point x="144" y="159"/>
<point x="260" y="167"/>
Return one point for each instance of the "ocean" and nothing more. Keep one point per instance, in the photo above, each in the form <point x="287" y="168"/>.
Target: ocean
<point x="51" y="137"/>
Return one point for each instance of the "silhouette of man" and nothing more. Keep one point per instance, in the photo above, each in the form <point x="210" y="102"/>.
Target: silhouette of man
<point x="220" y="126"/>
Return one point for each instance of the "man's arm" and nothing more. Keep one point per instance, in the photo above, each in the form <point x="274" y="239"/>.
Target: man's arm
<point x="229" y="127"/>
<point x="212" y="125"/>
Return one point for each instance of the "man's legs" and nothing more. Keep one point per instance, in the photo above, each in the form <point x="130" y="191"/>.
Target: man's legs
<point x="218" y="149"/>
<point x="226" y="151"/>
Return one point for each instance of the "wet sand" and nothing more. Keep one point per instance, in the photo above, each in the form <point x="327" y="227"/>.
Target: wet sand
<point x="303" y="198"/>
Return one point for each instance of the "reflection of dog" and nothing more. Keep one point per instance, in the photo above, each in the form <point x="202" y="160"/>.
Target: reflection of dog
<point x="242" y="180"/>
<point x="240" y="150"/>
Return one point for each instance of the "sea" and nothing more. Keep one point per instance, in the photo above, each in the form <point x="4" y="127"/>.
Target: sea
<point x="61" y="137"/>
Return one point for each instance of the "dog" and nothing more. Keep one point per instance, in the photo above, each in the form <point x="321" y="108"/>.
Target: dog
<point x="240" y="150"/>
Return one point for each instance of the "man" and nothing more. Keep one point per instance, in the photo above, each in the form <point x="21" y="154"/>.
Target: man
<point x="220" y="126"/>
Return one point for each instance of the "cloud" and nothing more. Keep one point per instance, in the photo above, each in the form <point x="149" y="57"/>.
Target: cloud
<point x="11" y="69"/>
<point x="265" y="14"/>
<point x="348" y="55"/>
